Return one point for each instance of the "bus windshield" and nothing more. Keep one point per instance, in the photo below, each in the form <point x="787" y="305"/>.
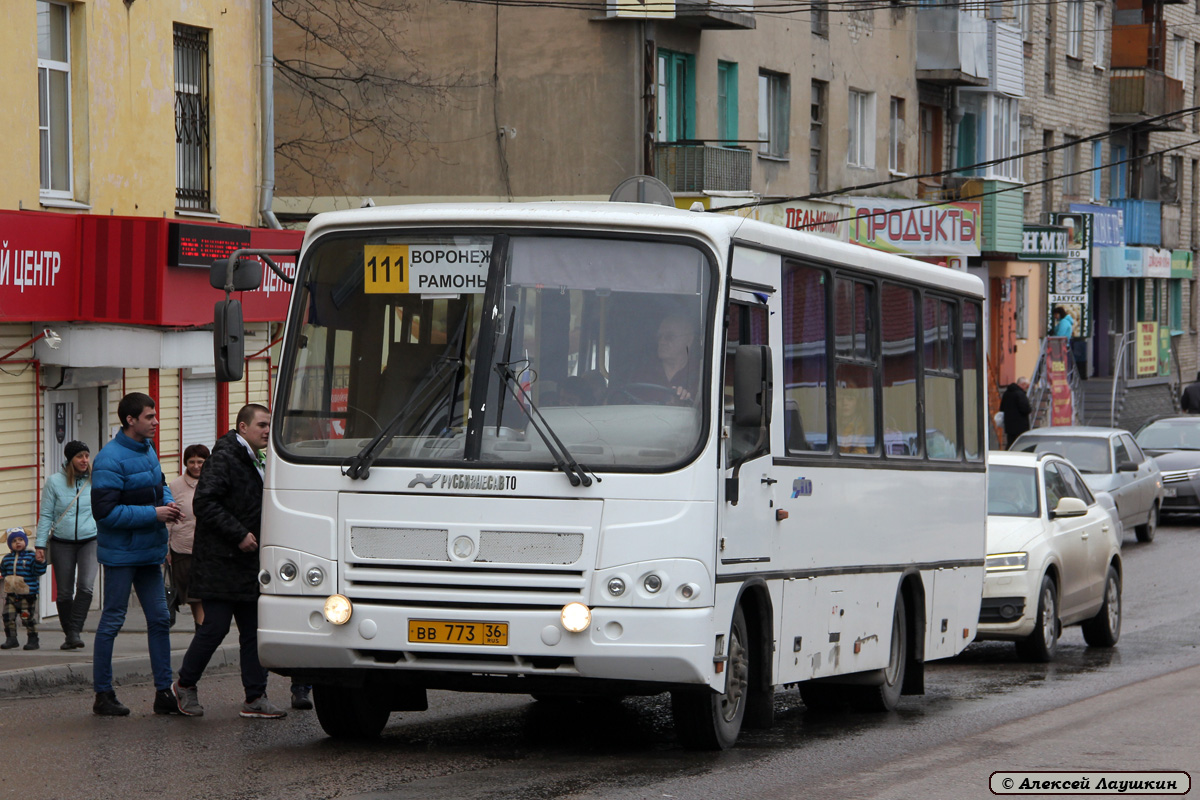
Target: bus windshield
<point x="605" y="338"/>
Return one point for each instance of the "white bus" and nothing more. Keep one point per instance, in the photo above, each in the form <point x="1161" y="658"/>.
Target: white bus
<point x="614" y="449"/>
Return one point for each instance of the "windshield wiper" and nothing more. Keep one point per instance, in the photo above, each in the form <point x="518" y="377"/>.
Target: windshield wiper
<point x="358" y="467"/>
<point x="562" y="456"/>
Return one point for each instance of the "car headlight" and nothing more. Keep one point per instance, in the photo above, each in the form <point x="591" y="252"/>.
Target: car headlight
<point x="1007" y="562"/>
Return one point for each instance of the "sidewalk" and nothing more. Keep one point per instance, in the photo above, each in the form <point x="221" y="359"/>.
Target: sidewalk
<point x="25" y="672"/>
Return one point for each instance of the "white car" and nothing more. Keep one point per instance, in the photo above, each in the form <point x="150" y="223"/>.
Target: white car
<point x="1054" y="557"/>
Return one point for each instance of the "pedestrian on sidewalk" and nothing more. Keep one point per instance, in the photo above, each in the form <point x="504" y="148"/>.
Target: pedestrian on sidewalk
<point x="21" y="570"/>
<point x="228" y="506"/>
<point x="1014" y="405"/>
<point x="66" y="521"/>
<point x="183" y="531"/>
<point x="1189" y="402"/>
<point x="132" y="505"/>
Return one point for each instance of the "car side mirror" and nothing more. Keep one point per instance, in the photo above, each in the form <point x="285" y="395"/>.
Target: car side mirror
<point x="1127" y="466"/>
<point x="1069" y="507"/>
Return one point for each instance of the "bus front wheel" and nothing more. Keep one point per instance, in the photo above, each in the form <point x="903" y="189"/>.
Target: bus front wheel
<point x="710" y="721"/>
<point x="349" y="712"/>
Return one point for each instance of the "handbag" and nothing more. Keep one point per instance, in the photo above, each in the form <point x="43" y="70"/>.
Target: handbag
<point x="15" y="584"/>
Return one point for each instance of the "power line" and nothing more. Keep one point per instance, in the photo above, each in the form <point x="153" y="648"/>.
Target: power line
<point x="969" y="167"/>
<point x="1017" y="187"/>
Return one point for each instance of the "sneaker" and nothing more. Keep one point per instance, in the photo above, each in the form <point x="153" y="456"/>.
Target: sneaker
<point x="187" y="700"/>
<point x="300" y="698"/>
<point x="262" y="708"/>
<point x="165" y="702"/>
<point x="107" y="705"/>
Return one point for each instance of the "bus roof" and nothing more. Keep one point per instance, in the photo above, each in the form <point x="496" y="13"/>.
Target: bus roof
<point x="720" y="229"/>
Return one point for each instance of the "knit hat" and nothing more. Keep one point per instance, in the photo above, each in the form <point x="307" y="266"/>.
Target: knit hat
<point x="17" y="533"/>
<point x="75" y="448"/>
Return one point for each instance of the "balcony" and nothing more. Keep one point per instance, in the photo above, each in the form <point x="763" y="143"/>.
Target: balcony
<point x="952" y="47"/>
<point x="1143" y="221"/>
<point x="1138" y="93"/>
<point x="701" y="167"/>
<point x="701" y="14"/>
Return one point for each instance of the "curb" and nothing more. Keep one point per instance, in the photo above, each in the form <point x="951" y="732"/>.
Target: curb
<point x="126" y="670"/>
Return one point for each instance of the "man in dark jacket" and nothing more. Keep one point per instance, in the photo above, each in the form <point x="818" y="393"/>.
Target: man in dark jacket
<point x="228" y="509"/>
<point x="1016" y="409"/>
<point x="1190" y="401"/>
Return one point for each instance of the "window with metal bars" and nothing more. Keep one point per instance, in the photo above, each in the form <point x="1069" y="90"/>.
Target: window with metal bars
<point x="192" y="168"/>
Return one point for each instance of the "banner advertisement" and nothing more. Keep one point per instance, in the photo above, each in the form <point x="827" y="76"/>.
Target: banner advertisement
<point x="1147" y="349"/>
<point x="1058" y="350"/>
<point x="903" y="226"/>
<point x="1108" y="224"/>
<point x="823" y="219"/>
<point x="1070" y="281"/>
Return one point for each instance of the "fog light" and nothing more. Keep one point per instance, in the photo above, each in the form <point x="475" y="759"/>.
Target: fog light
<point x="264" y="577"/>
<point x="652" y="583"/>
<point x="314" y="576"/>
<point x="337" y="609"/>
<point x="1009" y="611"/>
<point x="616" y="587"/>
<point x="576" y="617"/>
<point x="287" y="571"/>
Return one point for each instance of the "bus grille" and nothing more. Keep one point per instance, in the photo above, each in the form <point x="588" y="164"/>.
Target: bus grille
<point x="463" y="585"/>
<point x="495" y="547"/>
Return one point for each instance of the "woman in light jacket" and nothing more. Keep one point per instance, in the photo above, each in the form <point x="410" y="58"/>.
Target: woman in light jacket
<point x="66" y="519"/>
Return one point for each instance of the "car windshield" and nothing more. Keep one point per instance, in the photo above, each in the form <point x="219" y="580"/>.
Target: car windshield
<point x="388" y="335"/>
<point x="1012" y="491"/>
<point x="1090" y="455"/>
<point x="1171" y="434"/>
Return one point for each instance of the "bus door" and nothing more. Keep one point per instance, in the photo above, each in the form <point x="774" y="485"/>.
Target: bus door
<point x="748" y="526"/>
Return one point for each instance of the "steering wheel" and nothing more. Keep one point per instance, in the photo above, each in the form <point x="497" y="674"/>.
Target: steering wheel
<point x="629" y="390"/>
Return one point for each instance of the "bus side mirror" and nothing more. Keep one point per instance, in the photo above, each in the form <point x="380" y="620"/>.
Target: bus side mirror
<point x="245" y="274"/>
<point x="229" y="343"/>
<point x="752" y="386"/>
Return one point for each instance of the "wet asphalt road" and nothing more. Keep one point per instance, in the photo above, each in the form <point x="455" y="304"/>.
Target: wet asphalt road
<point x="495" y="746"/>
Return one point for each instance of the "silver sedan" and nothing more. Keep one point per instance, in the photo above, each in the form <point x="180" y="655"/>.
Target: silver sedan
<point x="1110" y="461"/>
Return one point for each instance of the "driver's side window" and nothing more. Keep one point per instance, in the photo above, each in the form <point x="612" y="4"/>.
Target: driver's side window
<point x="1056" y="487"/>
<point x="746" y="324"/>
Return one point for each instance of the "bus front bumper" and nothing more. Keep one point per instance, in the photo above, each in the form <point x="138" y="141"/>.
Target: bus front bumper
<point x="658" y="645"/>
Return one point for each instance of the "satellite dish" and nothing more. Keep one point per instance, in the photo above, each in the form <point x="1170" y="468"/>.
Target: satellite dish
<point x="643" y="189"/>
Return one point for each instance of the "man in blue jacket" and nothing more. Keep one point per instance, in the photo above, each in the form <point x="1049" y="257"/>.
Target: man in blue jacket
<point x="132" y="504"/>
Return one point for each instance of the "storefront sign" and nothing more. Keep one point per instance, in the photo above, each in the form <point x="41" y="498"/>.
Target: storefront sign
<point x="1147" y="349"/>
<point x="39" y="266"/>
<point x="1058" y="350"/>
<point x="1043" y="243"/>
<point x="1108" y="224"/>
<point x="1071" y="280"/>
<point x="1117" y="262"/>
<point x="1181" y="265"/>
<point x="904" y="226"/>
<point x="1157" y="263"/>
<point x="191" y="245"/>
<point x="824" y="219"/>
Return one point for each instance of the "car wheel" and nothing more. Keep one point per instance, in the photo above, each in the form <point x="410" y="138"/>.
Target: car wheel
<point x="1043" y="642"/>
<point x="1145" y="533"/>
<point x="1104" y="629"/>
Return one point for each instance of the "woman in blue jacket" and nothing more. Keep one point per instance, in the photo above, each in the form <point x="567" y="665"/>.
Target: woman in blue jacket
<point x="66" y="520"/>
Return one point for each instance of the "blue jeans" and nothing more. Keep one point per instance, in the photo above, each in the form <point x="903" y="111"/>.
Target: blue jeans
<point x="147" y="581"/>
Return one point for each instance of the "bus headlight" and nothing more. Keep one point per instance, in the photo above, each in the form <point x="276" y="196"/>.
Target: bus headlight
<point x="616" y="587"/>
<point x="338" y="609"/>
<point x="652" y="583"/>
<point x="314" y="576"/>
<point x="287" y="571"/>
<point x="576" y="617"/>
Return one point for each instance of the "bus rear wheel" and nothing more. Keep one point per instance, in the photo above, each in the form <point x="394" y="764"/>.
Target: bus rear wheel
<point x="710" y="721"/>
<point x="349" y="712"/>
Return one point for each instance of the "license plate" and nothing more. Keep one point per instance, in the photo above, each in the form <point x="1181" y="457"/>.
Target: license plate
<point x="432" y="631"/>
<point x="1170" y="491"/>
